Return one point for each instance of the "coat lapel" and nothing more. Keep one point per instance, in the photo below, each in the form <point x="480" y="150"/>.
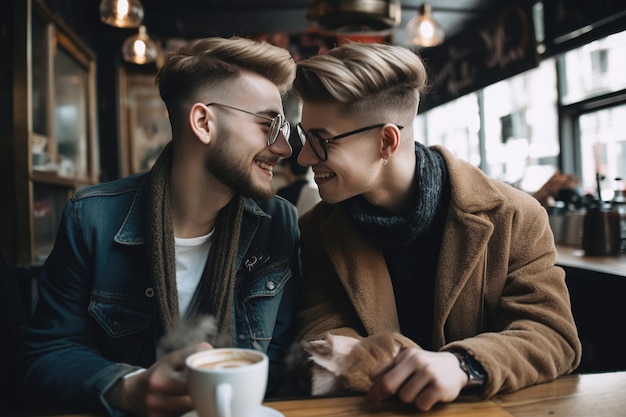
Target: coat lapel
<point x="362" y="269"/>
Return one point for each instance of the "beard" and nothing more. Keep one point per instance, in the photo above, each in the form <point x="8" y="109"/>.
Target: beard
<point x="235" y="173"/>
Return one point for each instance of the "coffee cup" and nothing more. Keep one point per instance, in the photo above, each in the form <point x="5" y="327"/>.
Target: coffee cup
<point x="227" y="382"/>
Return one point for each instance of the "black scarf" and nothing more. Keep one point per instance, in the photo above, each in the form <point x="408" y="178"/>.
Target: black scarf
<point x="397" y="231"/>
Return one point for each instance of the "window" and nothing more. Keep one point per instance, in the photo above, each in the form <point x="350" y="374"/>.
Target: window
<point x="603" y="141"/>
<point x="520" y="143"/>
<point x="594" y="69"/>
<point x="521" y="127"/>
<point x="593" y="100"/>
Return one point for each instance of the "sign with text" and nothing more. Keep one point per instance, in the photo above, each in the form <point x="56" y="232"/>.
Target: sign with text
<point x="497" y="48"/>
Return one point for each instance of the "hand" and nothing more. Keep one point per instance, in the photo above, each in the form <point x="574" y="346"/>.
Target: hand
<point x="159" y="391"/>
<point x="554" y="184"/>
<point x="420" y="377"/>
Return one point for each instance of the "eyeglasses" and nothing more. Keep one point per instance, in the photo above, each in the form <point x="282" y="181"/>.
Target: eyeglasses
<point x="277" y="124"/>
<point x="318" y="143"/>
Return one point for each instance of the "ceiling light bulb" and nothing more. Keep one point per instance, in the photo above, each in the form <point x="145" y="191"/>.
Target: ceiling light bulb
<point x="139" y="48"/>
<point x="121" y="13"/>
<point x="423" y="30"/>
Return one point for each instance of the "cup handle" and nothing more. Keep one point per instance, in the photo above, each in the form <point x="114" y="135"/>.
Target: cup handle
<point x="224" y="397"/>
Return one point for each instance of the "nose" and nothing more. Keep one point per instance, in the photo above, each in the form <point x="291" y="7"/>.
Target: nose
<point x="307" y="157"/>
<point x="281" y="146"/>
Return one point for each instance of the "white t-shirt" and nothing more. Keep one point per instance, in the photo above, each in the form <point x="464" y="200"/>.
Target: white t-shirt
<point x="191" y="257"/>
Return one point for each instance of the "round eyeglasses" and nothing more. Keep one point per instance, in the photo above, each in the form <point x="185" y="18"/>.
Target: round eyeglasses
<point x="278" y="124"/>
<point x="318" y="143"/>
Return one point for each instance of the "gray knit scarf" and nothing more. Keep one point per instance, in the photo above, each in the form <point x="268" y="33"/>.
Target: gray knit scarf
<point x="396" y="231"/>
<point x="214" y="294"/>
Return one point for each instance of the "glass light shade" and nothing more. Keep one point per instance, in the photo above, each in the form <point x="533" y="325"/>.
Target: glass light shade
<point x="423" y="30"/>
<point x="139" y="48"/>
<point x="121" y="13"/>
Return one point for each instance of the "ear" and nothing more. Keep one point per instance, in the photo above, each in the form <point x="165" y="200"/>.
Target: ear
<point x="200" y="118"/>
<point x="390" y="140"/>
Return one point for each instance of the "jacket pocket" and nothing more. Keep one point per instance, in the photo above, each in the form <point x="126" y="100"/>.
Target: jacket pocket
<point x="259" y="296"/>
<point x="120" y="315"/>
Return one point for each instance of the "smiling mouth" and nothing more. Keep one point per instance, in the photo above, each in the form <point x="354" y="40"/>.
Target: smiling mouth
<point x="323" y="175"/>
<point x="265" y="166"/>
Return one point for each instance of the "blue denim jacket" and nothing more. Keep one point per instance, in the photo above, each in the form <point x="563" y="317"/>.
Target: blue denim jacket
<point x="97" y="317"/>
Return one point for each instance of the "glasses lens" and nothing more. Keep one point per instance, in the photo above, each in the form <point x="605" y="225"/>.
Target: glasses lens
<point x="316" y="144"/>
<point x="301" y="133"/>
<point x="314" y="141"/>
<point x="274" y="131"/>
<point x="286" y="129"/>
<point x="278" y="125"/>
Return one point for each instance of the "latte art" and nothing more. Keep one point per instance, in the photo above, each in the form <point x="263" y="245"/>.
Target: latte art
<point x="226" y="363"/>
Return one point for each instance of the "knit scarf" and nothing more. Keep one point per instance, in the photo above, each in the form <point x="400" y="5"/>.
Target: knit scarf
<point x="214" y="294"/>
<point x="397" y="231"/>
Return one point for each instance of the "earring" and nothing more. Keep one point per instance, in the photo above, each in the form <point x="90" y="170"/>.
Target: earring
<point x="385" y="160"/>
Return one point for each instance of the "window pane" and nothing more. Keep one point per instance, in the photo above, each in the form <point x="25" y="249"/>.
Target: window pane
<point x="521" y="127"/>
<point x="603" y="144"/>
<point x="594" y="69"/>
<point x="454" y="125"/>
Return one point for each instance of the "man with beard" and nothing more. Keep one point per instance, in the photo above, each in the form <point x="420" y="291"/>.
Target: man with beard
<point x="200" y="235"/>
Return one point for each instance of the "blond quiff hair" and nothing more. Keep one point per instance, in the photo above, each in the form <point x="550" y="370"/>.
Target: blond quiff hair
<point x="362" y="77"/>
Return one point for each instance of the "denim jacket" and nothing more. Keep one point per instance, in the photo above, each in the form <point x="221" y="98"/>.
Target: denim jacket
<point x="97" y="317"/>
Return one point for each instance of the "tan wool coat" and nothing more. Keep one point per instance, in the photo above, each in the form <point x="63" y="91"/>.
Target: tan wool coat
<point x="498" y="293"/>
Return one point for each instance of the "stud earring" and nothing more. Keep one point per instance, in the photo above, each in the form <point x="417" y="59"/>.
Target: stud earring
<point x="385" y="160"/>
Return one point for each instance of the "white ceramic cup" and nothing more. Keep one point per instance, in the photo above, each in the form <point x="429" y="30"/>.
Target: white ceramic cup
<point x="227" y="382"/>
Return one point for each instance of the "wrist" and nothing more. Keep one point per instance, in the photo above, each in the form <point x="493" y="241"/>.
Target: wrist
<point x="476" y="375"/>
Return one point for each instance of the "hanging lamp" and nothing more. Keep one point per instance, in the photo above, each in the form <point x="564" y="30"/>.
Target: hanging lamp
<point x="354" y="16"/>
<point x="423" y="30"/>
<point x="139" y="48"/>
<point x="121" y="13"/>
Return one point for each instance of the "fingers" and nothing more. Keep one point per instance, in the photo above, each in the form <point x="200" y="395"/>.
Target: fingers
<point x="392" y="376"/>
<point x="419" y="377"/>
<point x="167" y="375"/>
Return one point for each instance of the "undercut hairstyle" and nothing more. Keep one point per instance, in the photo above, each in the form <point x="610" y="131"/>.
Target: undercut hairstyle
<point x="211" y="62"/>
<point x="363" y="78"/>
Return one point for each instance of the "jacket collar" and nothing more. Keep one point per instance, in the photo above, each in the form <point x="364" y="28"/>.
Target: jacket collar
<point x="133" y="229"/>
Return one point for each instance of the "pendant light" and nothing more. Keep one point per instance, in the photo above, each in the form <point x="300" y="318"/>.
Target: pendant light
<point x="121" y="13"/>
<point x="354" y="16"/>
<point x="423" y="30"/>
<point x="139" y="48"/>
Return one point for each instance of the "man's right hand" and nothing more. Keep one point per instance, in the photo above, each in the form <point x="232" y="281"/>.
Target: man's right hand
<point x="160" y="391"/>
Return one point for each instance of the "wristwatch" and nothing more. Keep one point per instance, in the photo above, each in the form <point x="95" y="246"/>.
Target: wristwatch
<point x="476" y="375"/>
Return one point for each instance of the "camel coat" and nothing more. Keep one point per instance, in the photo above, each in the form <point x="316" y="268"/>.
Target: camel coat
<point x="498" y="293"/>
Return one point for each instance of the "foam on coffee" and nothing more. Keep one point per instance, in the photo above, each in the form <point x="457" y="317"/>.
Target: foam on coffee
<point x="225" y="360"/>
<point x="226" y="363"/>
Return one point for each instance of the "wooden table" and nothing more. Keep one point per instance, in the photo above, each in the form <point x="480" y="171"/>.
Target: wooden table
<point x="584" y="395"/>
<point x="590" y="395"/>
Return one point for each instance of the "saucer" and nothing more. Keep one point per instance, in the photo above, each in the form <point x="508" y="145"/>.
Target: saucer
<point x="263" y="412"/>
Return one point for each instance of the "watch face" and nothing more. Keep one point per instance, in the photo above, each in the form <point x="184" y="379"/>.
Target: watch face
<point x="474" y="370"/>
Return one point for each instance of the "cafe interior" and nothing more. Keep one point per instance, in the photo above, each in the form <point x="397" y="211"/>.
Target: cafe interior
<point x="520" y="89"/>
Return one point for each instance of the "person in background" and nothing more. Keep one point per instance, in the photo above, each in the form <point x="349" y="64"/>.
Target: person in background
<point x="435" y="278"/>
<point x="556" y="185"/>
<point x="298" y="190"/>
<point x="200" y="235"/>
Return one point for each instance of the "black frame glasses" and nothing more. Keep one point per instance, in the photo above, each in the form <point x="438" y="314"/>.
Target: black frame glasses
<point x="277" y="125"/>
<point x="318" y="143"/>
